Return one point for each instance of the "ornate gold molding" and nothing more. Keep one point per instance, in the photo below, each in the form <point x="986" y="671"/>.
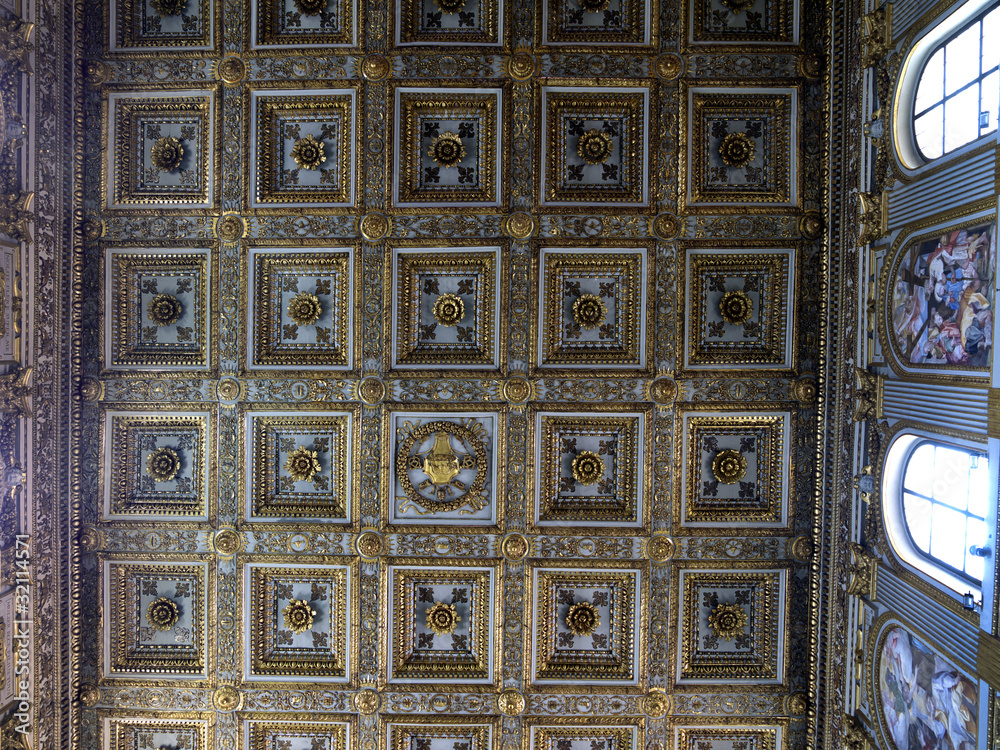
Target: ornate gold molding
<point x="873" y="216"/>
<point x="862" y="571"/>
<point x="868" y="395"/>
<point x="855" y="736"/>
<point x="15" y="48"/>
<point x="876" y="36"/>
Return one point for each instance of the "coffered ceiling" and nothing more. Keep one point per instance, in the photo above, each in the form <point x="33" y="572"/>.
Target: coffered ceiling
<point x="449" y="374"/>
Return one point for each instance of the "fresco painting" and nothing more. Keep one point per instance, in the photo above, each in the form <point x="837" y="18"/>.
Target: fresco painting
<point x="927" y="704"/>
<point x="943" y="299"/>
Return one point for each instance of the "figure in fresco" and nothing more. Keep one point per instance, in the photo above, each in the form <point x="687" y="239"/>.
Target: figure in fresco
<point x="926" y="702"/>
<point x="943" y="299"/>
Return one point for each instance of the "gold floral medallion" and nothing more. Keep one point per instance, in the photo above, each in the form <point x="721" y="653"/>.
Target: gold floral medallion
<point x="369" y="544"/>
<point x="737" y="150"/>
<point x="811" y="65"/>
<point x="446" y="150"/>
<point x="738" y="6"/>
<point x="304" y="308"/>
<point x="520" y="225"/>
<point x="583" y="618"/>
<point x="229" y="228"/>
<point x="521" y="66"/>
<point x="367" y="701"/>
<point x="90" y="694"/>
<point x="802" y="549"/>
<point x="442" y="618"/>
<point x="371" y="390"/>
<point x="514" y="547"/>
<point x="666" y="226"/>
<point x="735" y="307"/>
<point x="95" y="73"/>
<point x="91" y="538"/>
<point x="92" y="229"/>
<point x="228" y="389"/>
<point x="168" y="7"/>
<point x="660" y="548"/>
<point x="227" y="698"/>
<point x="811" y="225"/>
<point x="163" y="464"/>
<point x="589" y="311"/>
<point x="797" y="704"/>
<point x="374" y="227"/>
<point x="729" y="466"/>
<point x="595" y="146"/>
<point x="592" y="6"/>
<point x="298" y="615"/>
<point x="655" y="703"/>
<point x="448" y="310"/>
<point x="375" y="67"/>
<point x="727" y="621"/>
<point x="449" y="7"/>
<point x="517" y="390"/>
<point x="162" y="613"/>
<point x="311" y="7"/>
<point x="663" y="391"/>
<point x="91" y="389"/>
<point x="164" y="310"/>
<point x="805" y="390"/>
<point x="587" y="467"/>
<point x="227" y="541"/>
<point x="232" y="70"/>
<point x="668" y="66"/>
<point x="302" y="464"/>
<point x="309" y="153"/>
<point x="166" y="154"/>
<point x="510" y="703"/>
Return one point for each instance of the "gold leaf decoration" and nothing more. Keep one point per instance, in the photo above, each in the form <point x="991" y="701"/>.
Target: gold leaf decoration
<point x="302" y="464"/>
<point x="442" y="618"/>
<point x="163" y="464"/>
<point x="164" y="310"/>
<point x="729" y="466"/>
<point x="595" y="146"/>
<point x="727" y="621"/>
<point x="309" y="153"/>
<point x="298" y="615"/>
<point x="583" y="618"/>
<point x="446" y="150"/>
<point x="449" y="310"/>
<point x="162" y="613"/>
<point x="587" y="467"/>
<point x="166" y="154"/>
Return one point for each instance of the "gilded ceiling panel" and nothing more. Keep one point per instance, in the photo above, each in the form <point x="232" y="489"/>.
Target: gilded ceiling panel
<point x="447" y="374"/>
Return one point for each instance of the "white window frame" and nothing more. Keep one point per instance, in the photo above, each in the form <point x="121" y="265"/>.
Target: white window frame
<point x="894" y="518"/>
<point x="904" y="140"/>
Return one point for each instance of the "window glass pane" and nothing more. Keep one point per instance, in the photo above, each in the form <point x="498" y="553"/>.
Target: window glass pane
<point x="928" y="130"/>
<point x="920" y="469"/>
<point x="979" y="484"/>
<point x="918" y="520"/>
<point x="991" y="95"/>
<point x="931" y="88"/>
<point x="991" y="40"/>
<point x="961" y="59"/>
<point x="961" y="118"/>
<point x="948" y="536"/>
<point x="951" y="477"/>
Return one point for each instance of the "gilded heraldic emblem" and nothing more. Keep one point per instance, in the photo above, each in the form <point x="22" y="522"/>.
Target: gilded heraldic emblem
<point x="442" y="466"/>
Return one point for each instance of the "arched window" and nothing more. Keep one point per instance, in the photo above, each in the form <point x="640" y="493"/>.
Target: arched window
<point x="944" y="496"/>
<point x="958" y="92"/>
